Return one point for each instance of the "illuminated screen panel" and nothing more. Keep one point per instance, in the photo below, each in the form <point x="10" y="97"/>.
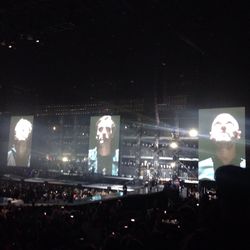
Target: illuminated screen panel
<point x="103" y="155"/>
<point x="20" y="139"/>
<point x="221" y="140"/>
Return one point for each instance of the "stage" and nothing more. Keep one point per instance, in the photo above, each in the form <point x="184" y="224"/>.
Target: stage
<point x="102" y="188"/>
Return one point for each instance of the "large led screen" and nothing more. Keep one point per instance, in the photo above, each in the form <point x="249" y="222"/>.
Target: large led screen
<point x="221" y="140"/>
<point x="20" y="139"/>
<point x="103" y="155"/>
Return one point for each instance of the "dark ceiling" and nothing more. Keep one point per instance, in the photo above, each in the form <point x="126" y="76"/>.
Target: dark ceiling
<point x="78" y="51"/>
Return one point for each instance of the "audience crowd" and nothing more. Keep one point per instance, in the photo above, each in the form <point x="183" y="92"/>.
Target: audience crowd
<point x="159" y="220"/>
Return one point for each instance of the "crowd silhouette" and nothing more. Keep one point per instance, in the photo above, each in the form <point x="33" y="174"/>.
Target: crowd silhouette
<point x="157" y="220"/>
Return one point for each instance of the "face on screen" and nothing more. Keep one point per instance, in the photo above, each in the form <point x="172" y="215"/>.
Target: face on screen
<point x="222" y="141"/>
<point x="20" y="137"/>
<point x="225" y="128"/>
<point x="103" y="156"/>
<point x="23" y="129"/>
<point x="105" y="129"/>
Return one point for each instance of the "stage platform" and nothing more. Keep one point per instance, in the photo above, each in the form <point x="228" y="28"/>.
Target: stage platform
<point x="110" y="182"/>
<point x="115" y="191"/>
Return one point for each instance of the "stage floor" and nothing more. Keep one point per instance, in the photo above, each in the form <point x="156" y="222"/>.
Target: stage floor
<point x="105" y="184"/>
<point x="116" y="190"/>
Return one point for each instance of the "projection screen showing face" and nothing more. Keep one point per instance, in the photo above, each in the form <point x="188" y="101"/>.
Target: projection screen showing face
<point x="222" y="140"/>
<point x="20" y="139"/>
<point x="103" y="155"/>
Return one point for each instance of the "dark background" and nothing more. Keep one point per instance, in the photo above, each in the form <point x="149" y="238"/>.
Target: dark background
<point x="107" y="50"/>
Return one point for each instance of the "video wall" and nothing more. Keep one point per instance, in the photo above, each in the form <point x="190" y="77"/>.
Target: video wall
<point x="103" y="154"/>
<point x="221" y="140"/>
<point x="20" y="140"/>
<point x="91" y="144"/>
<point x="67" y="143"/>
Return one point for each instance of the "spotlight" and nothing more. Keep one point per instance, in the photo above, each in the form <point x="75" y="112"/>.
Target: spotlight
<point x="172" y="164"/>
<point x="193" y="132"/>
<point x="65" y="159"/>
<point x="173" y="145"/>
